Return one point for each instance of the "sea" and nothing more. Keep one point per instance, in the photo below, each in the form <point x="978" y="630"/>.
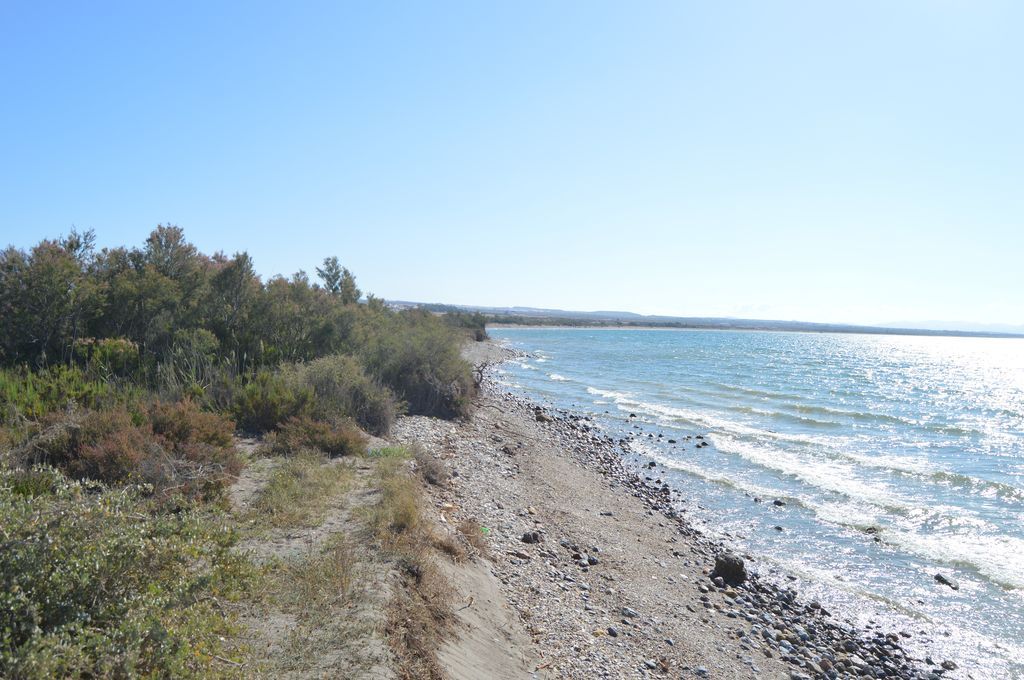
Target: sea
<point x="893" y="458"/>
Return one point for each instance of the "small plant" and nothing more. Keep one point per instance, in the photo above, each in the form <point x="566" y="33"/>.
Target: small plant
<point x="475" y="535"/>
<point x="432" y="470"/>
<point x="302" y="433"/>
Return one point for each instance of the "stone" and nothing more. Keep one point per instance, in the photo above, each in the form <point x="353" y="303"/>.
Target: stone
<point x="532" y="537"/>
<point x="730" y="568"/>
<point x="947" y="581"/>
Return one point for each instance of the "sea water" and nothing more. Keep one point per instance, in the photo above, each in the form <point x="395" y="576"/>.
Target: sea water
<point x="896" y="457"/>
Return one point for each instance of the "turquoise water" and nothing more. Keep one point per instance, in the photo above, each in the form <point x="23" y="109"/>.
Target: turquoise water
<point x="916" y="440"/>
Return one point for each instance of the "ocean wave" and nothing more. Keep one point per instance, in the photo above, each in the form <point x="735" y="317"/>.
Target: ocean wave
<point x="608" y="394"/>
<point x="998" y="558"/>
<point x="629" y="403"/>
<point x="679" y="465"/>
<point x="558" y="378"/>
<point x="823" y="475"/>
<point x="837" y="449"/>
<point x="982" y="487"/>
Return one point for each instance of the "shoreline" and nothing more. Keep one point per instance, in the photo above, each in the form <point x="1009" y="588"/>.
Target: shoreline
<point x="657" y="618"/>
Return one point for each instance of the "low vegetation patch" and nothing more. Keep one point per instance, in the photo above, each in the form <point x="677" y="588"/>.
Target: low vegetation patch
<point x="420" y="613"/>
<point x="300" y="490"/>
<point x="174" y="448"/>
<point x="303" y="433"/>
<point x="316" y="594"/>
<point x="94" y="582"/>
<point x="432" y="470"/>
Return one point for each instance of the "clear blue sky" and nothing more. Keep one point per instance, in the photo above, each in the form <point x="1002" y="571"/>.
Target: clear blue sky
<point x="857" y="161"/>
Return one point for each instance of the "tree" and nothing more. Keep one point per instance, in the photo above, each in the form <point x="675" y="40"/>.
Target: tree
<point x="349" y="291"/>
<point x="339" y="281"/>
<point x="330" y="274"/>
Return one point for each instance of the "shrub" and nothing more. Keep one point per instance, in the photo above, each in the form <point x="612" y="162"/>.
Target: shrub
<point x="298" y="434"/>
<point x="268" y="400"/>
<point x="109" y="447"/>
<point x="33" y="394"/>
<point x="93" y="584"/>
<point x="101" y="445"/>
<point x="417" y="356"/>
<point x="190" y="458"/>
<point x="184" y="423"/>
<point x="107" y="357"/>
<point x="342" y="388"/>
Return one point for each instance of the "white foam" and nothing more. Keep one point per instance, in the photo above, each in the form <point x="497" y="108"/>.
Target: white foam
<point x="997" y="557"/>
<point x="827" y="475"/>
<point x="558" y="378"/>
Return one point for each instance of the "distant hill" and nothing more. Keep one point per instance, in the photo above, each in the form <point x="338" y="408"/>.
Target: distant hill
<point x="562" y="317"/>
<point x="966" y="326"/>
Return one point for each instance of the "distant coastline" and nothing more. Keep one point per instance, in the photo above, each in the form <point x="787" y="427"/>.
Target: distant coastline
<point x="531" y="323"/>
<point x="506" y="317"/>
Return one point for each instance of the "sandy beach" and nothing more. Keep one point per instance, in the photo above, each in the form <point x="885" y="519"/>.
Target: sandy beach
<point x="594" y="575"/>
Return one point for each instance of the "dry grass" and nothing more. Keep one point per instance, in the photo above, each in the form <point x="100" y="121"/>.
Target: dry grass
<point x="420" y="611"/>
<point x="300" y="491"/>
<point x="432" y="470"/>
<point x="314" y="603"/>
<point x="474" y="535"/>
<point x="322" y="612"/>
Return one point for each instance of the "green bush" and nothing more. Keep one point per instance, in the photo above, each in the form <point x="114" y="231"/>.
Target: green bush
<point x="268" y="400"/>
<point x="33" y="394"/>
<point x="304" y="433"/>
<point x="105" y="358"/>
<point x="94" y="584"/>
<point x="342" y="389"/>
<point x="417" y="355"/>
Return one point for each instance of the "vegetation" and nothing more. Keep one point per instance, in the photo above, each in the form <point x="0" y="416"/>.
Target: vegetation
<point x="124" y="376"/>
<point x="303" y="433"/>
<point x="421" y="610"/>
<point x="96" y="582"/>
<point x="299" y="489"/>
<point x="170" y="319"/>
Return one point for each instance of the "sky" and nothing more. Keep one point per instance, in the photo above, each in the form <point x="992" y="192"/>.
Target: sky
<point x="853" y="162"/>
